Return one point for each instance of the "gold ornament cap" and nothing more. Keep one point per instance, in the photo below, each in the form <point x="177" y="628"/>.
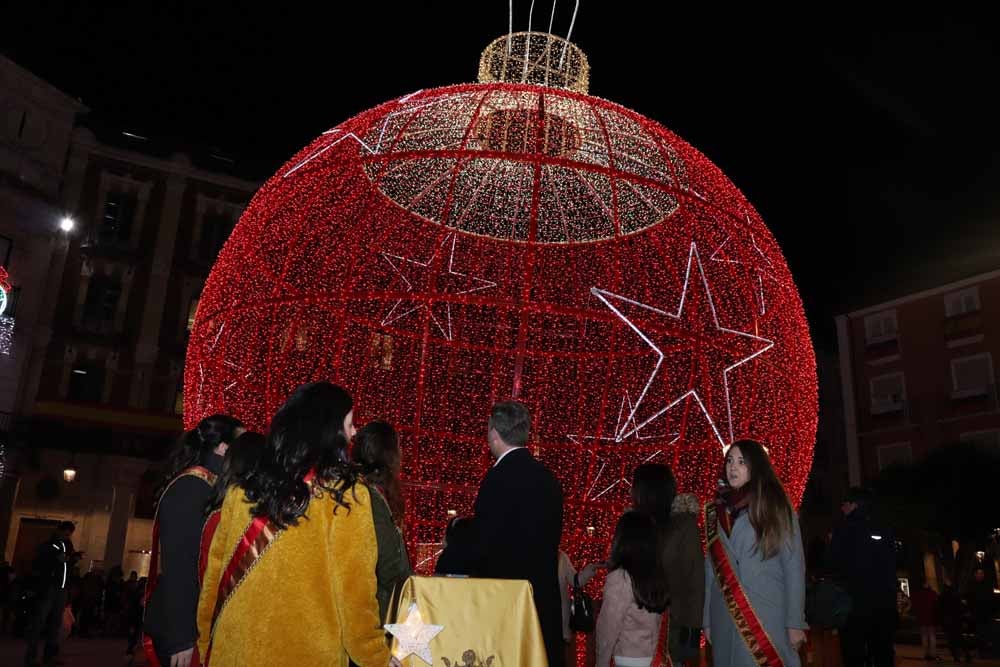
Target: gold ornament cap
<point x="538" y="58"/>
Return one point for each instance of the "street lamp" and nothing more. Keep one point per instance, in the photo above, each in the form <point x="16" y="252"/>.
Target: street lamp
<point x="69" y="474"/>
<point x="67" y="224"/>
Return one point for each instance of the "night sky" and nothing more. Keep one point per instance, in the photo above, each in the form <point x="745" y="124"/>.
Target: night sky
<point x="869" y="144"/>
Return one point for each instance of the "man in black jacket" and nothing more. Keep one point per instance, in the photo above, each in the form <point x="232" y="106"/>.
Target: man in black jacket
<point x="863" y="560"/>
<point x="53" y="562"/>
<point x="519" y="514"/>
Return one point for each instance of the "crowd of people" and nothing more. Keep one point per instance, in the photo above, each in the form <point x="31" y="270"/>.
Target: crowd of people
<point x="54" y="600"/>
<point x="287" y="548"/>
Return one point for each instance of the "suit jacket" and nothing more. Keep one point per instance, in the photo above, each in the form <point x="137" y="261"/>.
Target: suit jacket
<point x="519" y="514"/>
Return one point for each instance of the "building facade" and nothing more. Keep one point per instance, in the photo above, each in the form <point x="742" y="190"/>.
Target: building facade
<point x="99" y="392"/>
<point x="918" y="373"/>
<point x="36" y="127"/>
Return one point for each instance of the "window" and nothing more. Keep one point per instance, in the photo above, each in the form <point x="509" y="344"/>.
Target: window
<point x="961" y="302"/>
<point x="117" y="218"/>
<point x="192" y="311"/>
<point x="215" y="229"/>
<point x="881" y="327"/>
<point x="86" y="382"/>
<point x="972" y="376"/>
<point x="381" y="351"/>
<point x="13" y="296"/>
<point x="6" y="246"/>
<point x="179" y="398"/>
<point x="101" y="303"/>
<point x="888" y="393"/>
<point x="989" y="439"/>
<point x="898" y="453"/>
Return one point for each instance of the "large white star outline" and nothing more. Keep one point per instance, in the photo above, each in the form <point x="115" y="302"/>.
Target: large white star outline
<point x="607" y="297"/>
<point x="578" y="439"/>
<point x="762" y="270"/>
<point x="397" y="263"/>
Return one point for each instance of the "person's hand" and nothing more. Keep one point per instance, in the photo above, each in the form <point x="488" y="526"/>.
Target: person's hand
<point x="708" y="635"/>
<point x="393" y="662"/>
<point x="588" y="572"/>
<point x="796" y="637"/>
<point x="182" y="659"/>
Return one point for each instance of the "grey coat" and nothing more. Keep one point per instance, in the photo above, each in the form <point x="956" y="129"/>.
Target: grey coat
<point x="775" y="588"/>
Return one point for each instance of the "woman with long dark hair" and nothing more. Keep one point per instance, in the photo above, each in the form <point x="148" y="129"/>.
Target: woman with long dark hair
<point x="755" y="571"/>
<point x="653" y="492"/>
<point x="290" y="575"/>
<point x="172" y="588"/>
<point x="635" y="595"/>
<point x="238" y="464"/>
<point x="377" y="455"/>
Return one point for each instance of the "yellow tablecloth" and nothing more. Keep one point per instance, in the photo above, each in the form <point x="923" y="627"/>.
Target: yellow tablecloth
<point x="487" y="622"/>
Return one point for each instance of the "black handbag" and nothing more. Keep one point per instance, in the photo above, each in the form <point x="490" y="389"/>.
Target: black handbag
<point x="581" y="609"/>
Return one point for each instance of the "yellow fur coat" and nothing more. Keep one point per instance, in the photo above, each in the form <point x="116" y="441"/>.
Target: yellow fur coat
<point x="310" y="597"/>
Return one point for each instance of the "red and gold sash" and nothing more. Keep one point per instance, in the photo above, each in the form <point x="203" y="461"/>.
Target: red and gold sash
<point x="745" y="618"/>
<point x="256" y="539"/>
<point x="208" y="477"/>
<point x="207" y="533"/>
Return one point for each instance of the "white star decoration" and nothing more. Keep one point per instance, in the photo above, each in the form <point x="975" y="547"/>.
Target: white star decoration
<point x="404" y="266"/>
<point x="413" y="636"/>
<point x="761" y="269"/>
<point x="636" y="433"/>
<point x="761" y="344"/>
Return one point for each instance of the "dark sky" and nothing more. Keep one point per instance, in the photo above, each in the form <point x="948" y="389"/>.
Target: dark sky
<point x="869" y="143"/>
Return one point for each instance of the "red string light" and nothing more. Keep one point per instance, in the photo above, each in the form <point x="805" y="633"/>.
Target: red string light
<point x="471" y="243"/>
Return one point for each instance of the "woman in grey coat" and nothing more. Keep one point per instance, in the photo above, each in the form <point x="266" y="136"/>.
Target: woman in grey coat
<point x="759" y="533"/>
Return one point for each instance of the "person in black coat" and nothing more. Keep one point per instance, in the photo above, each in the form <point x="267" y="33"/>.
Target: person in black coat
<point x="180" y="515"/>
<point x="518" y="519"/>
<point x="52" y="566"/>
<point x="863" y="561"/>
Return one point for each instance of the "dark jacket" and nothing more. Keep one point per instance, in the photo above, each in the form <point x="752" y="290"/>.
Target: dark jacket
<point x="519" y="515"/>
<point x="863" y="561"/>
<point x="393" y="565"/>
<point x="681" y="557"/>
<point x="53" y="561"/>
<point x="171" y="614"/>
<point x="981" y="600"/>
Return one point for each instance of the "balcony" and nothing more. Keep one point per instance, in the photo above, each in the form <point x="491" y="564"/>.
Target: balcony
<point x="962" y="326"/>
<point x="877" y="347"/>
<point x="888" y="405"/>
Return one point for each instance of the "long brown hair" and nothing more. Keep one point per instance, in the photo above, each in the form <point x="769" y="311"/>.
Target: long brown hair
<point x="376" y="453"/>
<point x="771" y="513"/>
<point x="634" y="549"/>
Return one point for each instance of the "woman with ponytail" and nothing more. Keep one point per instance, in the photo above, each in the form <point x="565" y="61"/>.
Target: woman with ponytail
<point x="376" y="453"/>
<point x="754" y="570"/>
<point x="172" y="587"/>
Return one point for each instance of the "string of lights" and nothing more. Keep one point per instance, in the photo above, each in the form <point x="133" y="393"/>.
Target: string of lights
<point x="467" y="244"/>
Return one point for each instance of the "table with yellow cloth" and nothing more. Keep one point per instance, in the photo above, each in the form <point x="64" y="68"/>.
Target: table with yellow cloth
<point x="487" y="622"/>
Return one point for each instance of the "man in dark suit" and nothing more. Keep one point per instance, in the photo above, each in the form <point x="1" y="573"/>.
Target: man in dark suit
<point x="519" y="513"/>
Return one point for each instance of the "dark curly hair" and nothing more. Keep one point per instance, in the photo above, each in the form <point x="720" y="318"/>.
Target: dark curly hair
<point x="306" y="434"/>
<point x="239" y="464"/>
<point x="196" y="445"/>
<point x="376" y="453"/>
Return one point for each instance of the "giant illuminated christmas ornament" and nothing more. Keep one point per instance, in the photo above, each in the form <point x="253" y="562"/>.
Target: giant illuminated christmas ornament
<point x="515" y="238"/>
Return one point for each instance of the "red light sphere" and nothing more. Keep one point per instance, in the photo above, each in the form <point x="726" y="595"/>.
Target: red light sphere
<point x="472" y="243"/>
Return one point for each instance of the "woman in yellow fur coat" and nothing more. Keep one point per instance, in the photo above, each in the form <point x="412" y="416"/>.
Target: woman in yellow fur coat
<point x="290" y="575"/>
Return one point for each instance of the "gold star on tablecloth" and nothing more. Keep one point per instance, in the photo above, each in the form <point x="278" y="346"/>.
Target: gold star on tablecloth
<point x="413" y="636"/>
